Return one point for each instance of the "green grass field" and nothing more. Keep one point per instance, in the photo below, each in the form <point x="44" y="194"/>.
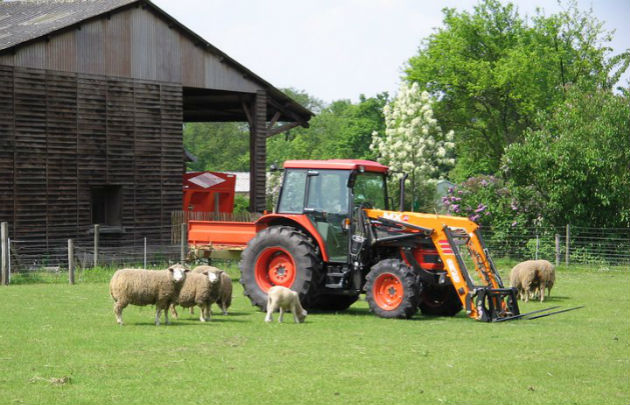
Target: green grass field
<point x="60" y="344"/>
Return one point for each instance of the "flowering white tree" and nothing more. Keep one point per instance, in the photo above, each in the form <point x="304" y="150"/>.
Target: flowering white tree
<point x="413" y="142"/>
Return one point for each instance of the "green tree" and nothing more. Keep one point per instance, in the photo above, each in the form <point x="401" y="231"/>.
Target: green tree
<point x="492" y="71"/>
<point x="578" y="162"/>
<point x="218" y="145"/>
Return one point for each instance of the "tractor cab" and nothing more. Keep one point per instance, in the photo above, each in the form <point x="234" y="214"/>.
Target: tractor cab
<point x="329" y="193"/>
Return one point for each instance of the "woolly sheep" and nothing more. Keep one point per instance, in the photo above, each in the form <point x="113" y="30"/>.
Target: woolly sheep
<point x="531" y="277"/>
<point x="225" y="288"/>
<point x="146" y="287"/>
<point x="200" y="289"/>
<point x="284" y="299"/>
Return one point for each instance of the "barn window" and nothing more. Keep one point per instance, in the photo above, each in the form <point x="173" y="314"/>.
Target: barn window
<point x="106" y="205"/>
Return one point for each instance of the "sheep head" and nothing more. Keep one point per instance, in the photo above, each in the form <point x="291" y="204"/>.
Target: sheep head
<point x="178" y="272"/>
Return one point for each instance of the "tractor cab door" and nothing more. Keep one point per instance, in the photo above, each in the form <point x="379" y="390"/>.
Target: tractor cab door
<point x="327" y="207"/>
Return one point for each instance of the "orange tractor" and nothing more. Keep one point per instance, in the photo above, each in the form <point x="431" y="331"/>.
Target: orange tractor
<point x="334" y="236"/>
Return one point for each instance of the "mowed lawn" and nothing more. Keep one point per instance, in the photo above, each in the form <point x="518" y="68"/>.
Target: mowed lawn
<point x="60" y="344"/>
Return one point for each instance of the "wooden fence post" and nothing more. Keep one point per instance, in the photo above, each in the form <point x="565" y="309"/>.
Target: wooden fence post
<point x="96" y="238"/>
<point x="566" y="259"/>
<point x="183" y="242"/>
<point x="70" y="261"/>
<point x="4" y="256"/>
<point x="557" y="250"/>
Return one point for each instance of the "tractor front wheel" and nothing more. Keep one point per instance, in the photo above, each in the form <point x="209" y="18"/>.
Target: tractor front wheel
<point x="279" y="255"/>
<point x="392" y="289"/>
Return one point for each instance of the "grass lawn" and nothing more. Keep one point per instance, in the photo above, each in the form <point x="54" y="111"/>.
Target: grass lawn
<point x="60" y="344"/>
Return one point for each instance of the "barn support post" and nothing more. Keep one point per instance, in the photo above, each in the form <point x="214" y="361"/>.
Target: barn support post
<point x="257" y="153"/>
<point x="145" y="253"/>
<point x="4" y="258"/>
<point x="70" y="261"/>
<point x="96" y="236"/>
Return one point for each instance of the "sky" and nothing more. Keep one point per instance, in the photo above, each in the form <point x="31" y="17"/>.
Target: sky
<point x="340" y="49"/>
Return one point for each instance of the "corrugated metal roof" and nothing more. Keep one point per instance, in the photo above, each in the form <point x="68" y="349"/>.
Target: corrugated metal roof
<point x="22" y="21"/>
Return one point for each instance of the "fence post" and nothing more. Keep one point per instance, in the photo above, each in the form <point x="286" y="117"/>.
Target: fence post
<point x="537" y="246"/>
<point x="557" y="250"/>
<point x="183" y="243"/>
<point x="566" y="259"/>
<point x="96" y="237"/>
<point x="70" y="261"/>
<point x="145" y="253"/>
<point x="4" y="257"/>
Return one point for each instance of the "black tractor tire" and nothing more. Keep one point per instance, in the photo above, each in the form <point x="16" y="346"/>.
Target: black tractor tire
<point x="440" y="301"/>
<point x="333" y="303"/>
<point x="392" y="289"/>
<point x="280" y="255"/>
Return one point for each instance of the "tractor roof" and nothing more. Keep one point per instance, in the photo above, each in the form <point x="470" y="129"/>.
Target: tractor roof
<point x="338" y="164"/>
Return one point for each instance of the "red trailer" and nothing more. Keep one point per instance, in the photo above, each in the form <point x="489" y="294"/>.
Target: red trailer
<point x="208" y="192"/>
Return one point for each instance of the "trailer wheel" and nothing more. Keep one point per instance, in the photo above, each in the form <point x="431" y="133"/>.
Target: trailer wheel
<point x="442" y="301"/>
<point x="279" y="255"/>
<point x="330" y="302"/>
<point x="392" y="289"/>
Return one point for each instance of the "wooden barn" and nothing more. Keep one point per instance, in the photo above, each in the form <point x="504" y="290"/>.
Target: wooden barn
<point x="93" y="97"/>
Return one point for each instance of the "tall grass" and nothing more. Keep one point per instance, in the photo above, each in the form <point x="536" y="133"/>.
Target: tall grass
<point x="61" y="344"/>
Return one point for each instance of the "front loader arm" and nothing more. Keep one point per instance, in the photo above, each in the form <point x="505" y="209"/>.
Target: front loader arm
<point x="484" y="302"/>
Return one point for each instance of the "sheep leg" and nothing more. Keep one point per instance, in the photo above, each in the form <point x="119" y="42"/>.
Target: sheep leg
<point x="157" y="316"/>
<point x="294" y="310"/>
<point x="270" y="310"/>
<point x="202" y="315"/>
<point x="192" y="310"/>
<point x="174" y="312"/>
<point x="118" y="308"/>
<point x="166" y="316"/>
<point x="542" y="292"/>
<point x="281" y="313"/>
<point x="224" y="308"/>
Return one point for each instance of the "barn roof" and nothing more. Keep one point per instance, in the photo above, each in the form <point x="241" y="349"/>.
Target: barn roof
<point x="23" y="22"/>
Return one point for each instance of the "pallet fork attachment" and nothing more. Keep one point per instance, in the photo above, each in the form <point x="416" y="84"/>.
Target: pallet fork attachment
<point x="529" y="317"/>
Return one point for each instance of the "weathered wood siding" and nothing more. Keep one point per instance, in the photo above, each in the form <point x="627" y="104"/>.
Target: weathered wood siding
<point x="133" y="43"/>
<point x="64" y="133"/>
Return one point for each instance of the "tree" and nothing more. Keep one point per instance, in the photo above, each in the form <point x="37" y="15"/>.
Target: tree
<point x="578" y="162"/>
<point x="218" y="145"/>
<point x="491" y="71"/>
<point x="413" y="141"/>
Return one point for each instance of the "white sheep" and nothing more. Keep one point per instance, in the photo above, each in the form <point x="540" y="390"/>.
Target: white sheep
<point x="201" y="289"/>
<point x="531" y="277"/>
<point x="225" y="287"/>
<point x="146" y="287"/>
<point x="525" y="278"/>
<point x="284" y="299"/>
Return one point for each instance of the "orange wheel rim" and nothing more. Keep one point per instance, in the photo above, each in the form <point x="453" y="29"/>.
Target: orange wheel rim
<point x="274" y="266"/>
<point x="388" y="291"/>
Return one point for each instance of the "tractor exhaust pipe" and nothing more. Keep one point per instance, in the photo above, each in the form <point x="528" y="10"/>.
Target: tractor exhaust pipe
<point x="401" y="206"/>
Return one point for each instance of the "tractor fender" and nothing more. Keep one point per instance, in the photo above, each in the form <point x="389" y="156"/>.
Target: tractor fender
<point x="298" y="221"/>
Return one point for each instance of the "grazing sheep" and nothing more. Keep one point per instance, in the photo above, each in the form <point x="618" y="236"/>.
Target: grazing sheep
<point x="200" y="289"/>
<point x="547" y="278"/>
<point x="225" y="289"/>
<point x="531" y="277"/>
<point x="146" y="287"/>
<point x="525" y="278"/>
<point x="284" y="299"/>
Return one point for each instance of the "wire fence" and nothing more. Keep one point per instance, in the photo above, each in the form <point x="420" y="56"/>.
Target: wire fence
<point x="148" y="247"/>
<point x="568" y="245"/>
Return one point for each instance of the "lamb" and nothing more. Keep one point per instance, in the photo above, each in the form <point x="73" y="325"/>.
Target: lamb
<point x="531" y="277"/>
<point x="146" y="287"/>
<point x="225" y="288"/>
<point x="202" y="289"/>
<point x="284" y="299"/>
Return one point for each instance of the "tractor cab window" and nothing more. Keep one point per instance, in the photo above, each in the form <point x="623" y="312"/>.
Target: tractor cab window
<point x="370" y="188"/>
<point x="292" y="198"/>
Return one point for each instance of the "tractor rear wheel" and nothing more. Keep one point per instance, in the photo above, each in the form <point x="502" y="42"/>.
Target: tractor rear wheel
<point x="392" y="289"/>
<point x="280" y="255"/>
<point x="442" y="301"/>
